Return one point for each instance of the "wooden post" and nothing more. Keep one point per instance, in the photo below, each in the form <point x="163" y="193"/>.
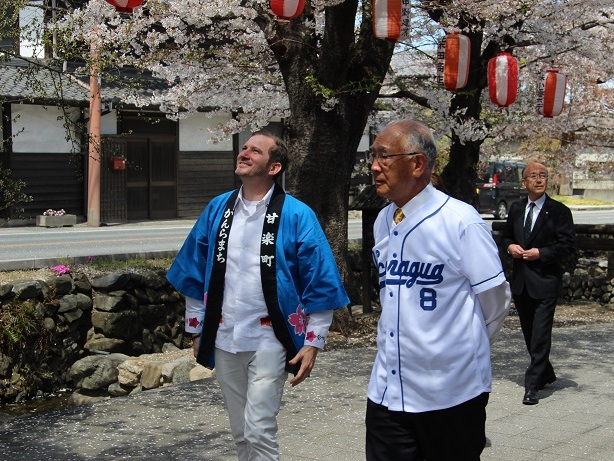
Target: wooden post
<point x="368" y="219"/>
<point x="93" y="176"/>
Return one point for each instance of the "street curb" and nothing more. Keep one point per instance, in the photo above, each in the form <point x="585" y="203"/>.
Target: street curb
<point x="40" y="263"/>
<point x="590" y="207"/>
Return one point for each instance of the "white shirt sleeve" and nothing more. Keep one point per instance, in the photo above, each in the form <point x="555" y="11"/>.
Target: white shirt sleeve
<point x="194" y="315"/>
<point x="483" y="267"/>
<point x="495" y="304"/>
<point x="317" y="328"/>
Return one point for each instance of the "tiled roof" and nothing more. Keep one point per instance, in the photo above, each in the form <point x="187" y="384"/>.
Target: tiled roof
<point x="28" y="82"/>
<point x="117" y="84"/>
<point x="20" y="81"/>
<point x="408" y="66"/>
<point x="411" y="63"/>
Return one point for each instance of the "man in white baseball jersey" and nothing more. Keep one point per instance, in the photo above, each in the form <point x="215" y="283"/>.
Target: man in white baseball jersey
<point x="444" y="297"/>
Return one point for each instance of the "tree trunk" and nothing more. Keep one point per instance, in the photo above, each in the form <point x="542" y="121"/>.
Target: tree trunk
<point x="323" y="143"/>
<point x="460" y="173"/>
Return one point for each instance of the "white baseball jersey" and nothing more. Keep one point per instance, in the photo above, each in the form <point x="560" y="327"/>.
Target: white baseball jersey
<point x="433" y="343"/>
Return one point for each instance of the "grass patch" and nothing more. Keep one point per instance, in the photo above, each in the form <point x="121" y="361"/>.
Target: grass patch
<point x="93" y="267"/>
<point x="355" y="246"/>
<point x="129" y="264"/>
<point x="580" y="201"/>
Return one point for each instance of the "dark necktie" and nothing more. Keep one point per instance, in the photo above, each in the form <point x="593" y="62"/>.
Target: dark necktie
<point x="398" y="216"/>
<point x="528" y="222"/>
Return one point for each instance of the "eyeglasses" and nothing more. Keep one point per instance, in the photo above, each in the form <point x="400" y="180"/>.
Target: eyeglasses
<point x="535" y="176"/>
<point x="383" y="158"/>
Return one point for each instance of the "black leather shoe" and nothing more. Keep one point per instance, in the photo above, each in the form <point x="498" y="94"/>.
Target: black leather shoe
<point x="530" y="398"/>
<point x="549" y="380"/>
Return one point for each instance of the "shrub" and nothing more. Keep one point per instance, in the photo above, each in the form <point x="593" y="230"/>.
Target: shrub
<point x="18" y="321"/>
<point x="11" y="190"/>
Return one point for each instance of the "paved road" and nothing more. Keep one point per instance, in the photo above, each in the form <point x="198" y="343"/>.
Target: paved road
<point x="35" y="247"/>
<point x="322" y="419"/>
<point x="39" y="243"/>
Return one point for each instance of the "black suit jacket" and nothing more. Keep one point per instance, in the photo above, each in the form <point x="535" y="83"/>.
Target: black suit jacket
<point x="553" y="234"/>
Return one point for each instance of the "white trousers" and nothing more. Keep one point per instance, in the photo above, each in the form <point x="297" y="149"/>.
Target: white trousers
<point x="252" y="384"/>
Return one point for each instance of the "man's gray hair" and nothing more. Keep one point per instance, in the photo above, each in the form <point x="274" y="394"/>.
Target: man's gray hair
<point x="418" y="138"/>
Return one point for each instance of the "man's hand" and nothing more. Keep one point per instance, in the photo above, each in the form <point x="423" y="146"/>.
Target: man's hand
<point x="515" y="250"/>
<point x="307" y="358"/>
<point x="531" y="255"/>
<point x="520" y="253"/>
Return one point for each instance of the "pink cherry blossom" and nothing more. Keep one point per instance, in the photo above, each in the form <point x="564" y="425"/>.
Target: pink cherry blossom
<point x="298" y="320"/>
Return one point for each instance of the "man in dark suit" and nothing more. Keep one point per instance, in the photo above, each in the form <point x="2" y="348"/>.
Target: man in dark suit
<point x="538" y="234"/>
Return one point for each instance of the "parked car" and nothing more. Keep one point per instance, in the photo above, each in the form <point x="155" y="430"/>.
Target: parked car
<point x="498" y="187"/>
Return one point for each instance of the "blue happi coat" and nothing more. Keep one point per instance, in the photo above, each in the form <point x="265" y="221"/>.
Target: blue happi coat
<point x="306" y="276"/>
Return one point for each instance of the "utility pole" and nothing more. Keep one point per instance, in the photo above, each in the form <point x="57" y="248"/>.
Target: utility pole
<point x="94" y="147"/>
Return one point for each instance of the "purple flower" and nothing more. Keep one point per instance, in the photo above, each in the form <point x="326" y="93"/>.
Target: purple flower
<point x="60" y="269"/>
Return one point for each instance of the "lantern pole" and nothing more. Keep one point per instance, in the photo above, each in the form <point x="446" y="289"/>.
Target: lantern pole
<point x="94" y="154"/>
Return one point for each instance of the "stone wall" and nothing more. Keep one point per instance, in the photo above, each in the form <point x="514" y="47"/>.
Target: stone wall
<point x="104" y="376"/>
<point x="585" y="277"/>
<point x="74" y="317"/>
<point x="112" y="335"/>
<point x="588" y="280"/>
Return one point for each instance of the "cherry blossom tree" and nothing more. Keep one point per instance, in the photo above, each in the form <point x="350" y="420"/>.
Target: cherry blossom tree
<point x="323" y="71"/>
<point x="569" y="35"/>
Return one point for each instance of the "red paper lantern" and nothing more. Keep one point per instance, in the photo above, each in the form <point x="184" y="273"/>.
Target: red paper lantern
<point x="391" y="19"/>
<point x="454" y="57"/>
<point x="287" y="9"/>
<point x="551" y="94"/>
<point x="503" y="79"/>
<point x="125" y="6"/>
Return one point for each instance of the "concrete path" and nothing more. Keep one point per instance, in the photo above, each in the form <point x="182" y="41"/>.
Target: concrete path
<point x="322" y="419"/>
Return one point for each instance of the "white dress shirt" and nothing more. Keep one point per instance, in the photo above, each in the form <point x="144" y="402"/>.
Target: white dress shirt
<point x="539" y="203"/>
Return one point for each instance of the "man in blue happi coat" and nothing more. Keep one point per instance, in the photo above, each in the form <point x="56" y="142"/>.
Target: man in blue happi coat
<point x="261" y="283"/>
